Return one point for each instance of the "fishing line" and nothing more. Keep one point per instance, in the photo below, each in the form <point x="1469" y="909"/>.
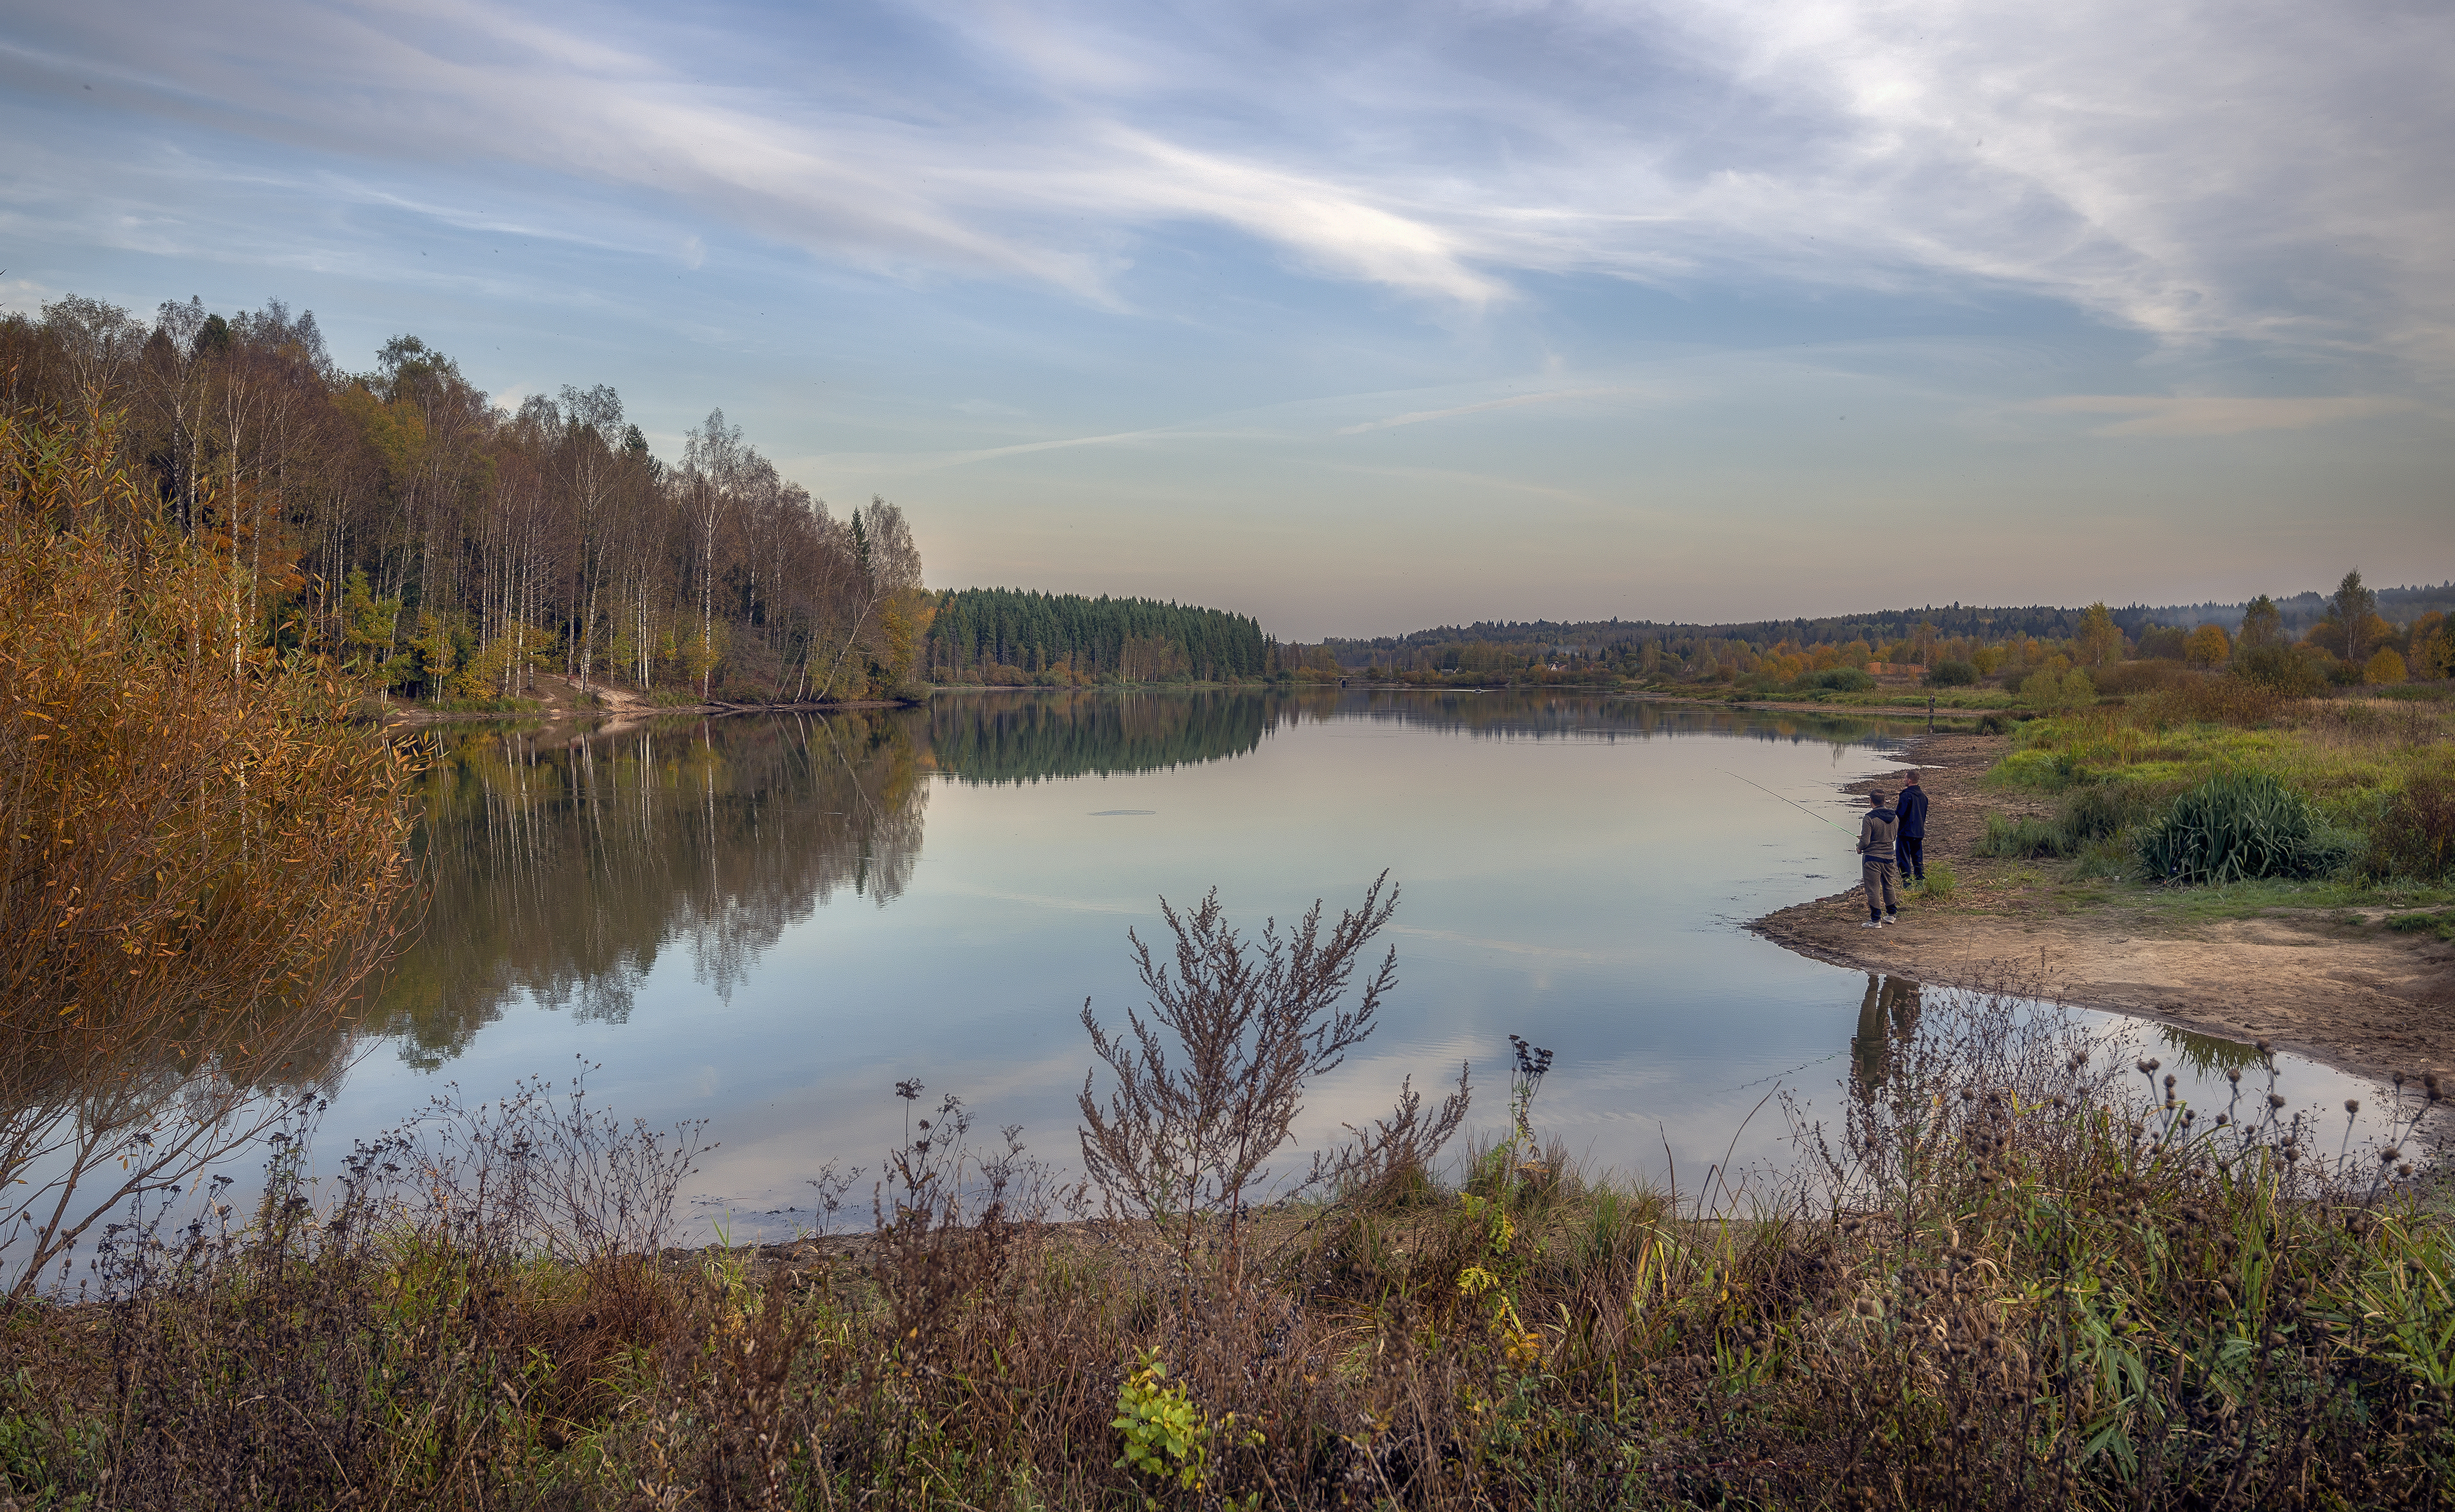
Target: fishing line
<point x="1792" y="803"/>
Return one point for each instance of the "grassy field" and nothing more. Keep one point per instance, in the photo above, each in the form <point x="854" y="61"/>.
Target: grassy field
<point x="1981" y="699"/>
<point x="2365" y="780"/>
<point x="2015" y="1273"/>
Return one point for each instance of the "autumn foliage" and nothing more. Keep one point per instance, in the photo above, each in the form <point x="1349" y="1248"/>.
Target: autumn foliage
<point x="203" y="860"/>
<point x="451" y="548"/>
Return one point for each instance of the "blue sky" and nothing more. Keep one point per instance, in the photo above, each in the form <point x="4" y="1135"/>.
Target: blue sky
<point x="1363" y="317"/>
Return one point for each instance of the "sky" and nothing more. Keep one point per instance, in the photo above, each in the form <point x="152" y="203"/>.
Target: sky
<point x="1363" y="317"/>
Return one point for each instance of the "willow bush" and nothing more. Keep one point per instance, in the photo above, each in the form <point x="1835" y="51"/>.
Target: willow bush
<point x="201" y="857"/>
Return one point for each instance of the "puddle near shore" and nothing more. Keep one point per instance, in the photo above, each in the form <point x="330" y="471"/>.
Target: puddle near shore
<point x="766" y="923"/>
<point x="2181" y="1083"/>
<point x="2386" y="1117"/>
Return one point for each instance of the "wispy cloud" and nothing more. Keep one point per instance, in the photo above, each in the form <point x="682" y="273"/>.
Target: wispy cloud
<point x="22" y="295"/>
<point x="1509" y="402"/>
<point x="2196" y="170"/>
<point x="2150" y="415"/>
<point x="1249" y="274"/>
<point x="1033" y="197"/>
<point x="910" y="463"/>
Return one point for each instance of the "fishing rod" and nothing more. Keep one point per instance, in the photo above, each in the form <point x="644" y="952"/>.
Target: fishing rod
<point x="1792" y="803"/>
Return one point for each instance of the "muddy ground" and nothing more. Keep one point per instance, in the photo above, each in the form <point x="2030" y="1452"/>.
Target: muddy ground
<point x="2317" y="983"/>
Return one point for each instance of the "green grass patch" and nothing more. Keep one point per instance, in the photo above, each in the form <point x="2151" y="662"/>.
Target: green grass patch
<point x="2021" y="839"/>
<point x="2442" y="925"/>
<point x="2042" y="770"/>
<point x="2269" y="895"/>
<point x="1981" y="699"/>
<point x="2106" y="859"/>
<point x="2298" y="791"/>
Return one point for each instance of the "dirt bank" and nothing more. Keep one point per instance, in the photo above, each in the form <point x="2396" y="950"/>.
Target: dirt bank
<point x="2325" y="985"/>
<point x="556" y="697"/>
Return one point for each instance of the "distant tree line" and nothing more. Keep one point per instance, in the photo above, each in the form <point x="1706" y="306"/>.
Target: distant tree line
<point x="450" y="547"/>
<point x="1010" y="635"/>
<point x="2297" y="615"/>
<point x="2352" y="635"/>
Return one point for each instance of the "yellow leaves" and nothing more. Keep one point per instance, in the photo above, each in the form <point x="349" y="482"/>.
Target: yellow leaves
<point x="191" y="830"/>
<point x="1523" y="1349"/>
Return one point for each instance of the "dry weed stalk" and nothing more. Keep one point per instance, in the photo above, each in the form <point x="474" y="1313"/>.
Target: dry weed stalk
<point x="1184" y="1142"/>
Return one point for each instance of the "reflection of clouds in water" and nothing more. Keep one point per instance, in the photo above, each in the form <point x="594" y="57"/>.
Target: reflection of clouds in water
<point x="1506" y="947"/>
<point x="774" y="1147"/>
<point x="1576" y="717"/>
<point x="1596" y="926"/>
<point x="1049" y="900"/>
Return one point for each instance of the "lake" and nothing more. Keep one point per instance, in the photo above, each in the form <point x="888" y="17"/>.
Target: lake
<point x="767" y="921"/>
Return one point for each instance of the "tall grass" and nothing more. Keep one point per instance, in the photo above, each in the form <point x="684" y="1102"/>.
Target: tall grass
<point x="2023" y="838"/>
<point x="2010" y="1271"/>
<point x="2414" y="834"/>
<point x="2235" y="826"/>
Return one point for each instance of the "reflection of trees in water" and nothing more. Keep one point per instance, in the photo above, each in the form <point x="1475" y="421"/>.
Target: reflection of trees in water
<point x="2208" y="1054"/>
<point x="1023" y="737"/>
<point x="1579" y="716"/>
<point x="562" y="867"/>
<point x="999" y="737"/>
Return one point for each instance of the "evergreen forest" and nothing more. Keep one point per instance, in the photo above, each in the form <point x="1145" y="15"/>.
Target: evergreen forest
<point x="1012" y="636"/>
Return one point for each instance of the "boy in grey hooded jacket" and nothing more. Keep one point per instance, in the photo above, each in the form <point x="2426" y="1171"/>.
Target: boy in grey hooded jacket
<point x="1876" y="833"/>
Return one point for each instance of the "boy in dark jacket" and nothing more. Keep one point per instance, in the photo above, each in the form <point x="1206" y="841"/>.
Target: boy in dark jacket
<point x="1911" y="841"/>
<point x="1876" y="836"/>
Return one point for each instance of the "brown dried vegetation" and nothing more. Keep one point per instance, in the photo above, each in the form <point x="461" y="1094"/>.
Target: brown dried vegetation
<point x="2007" y="1276"/>
<point x="203" y="858"/>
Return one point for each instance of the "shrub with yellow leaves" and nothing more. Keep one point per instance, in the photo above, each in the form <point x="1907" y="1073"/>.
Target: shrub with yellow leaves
<point x="204" y="859"/>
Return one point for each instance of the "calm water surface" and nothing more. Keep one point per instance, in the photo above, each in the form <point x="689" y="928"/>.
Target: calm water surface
<point x="767" y="922"/>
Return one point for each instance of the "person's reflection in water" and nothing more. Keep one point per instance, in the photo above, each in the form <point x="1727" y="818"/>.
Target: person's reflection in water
<point x="1888" y="1012"/>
